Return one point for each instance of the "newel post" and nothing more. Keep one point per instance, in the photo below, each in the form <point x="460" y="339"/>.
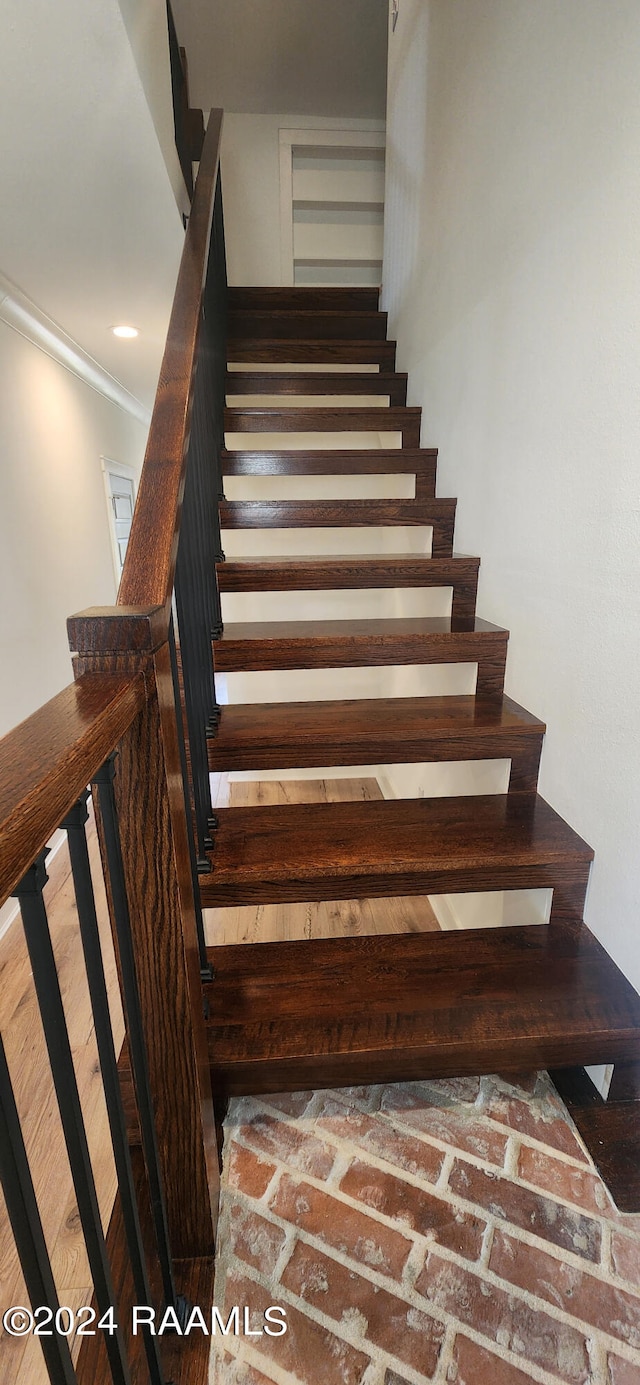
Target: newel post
<point x="150" y="801"/>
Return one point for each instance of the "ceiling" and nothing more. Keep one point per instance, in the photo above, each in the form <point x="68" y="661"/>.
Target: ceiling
<point x="303" y="57"/>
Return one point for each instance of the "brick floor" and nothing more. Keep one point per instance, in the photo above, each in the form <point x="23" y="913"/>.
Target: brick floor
<point x="448" y="1232"/>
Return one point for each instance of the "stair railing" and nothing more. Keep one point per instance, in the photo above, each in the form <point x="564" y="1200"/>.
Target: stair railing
<point x="174" y="543"/>
<point x="121" y="728"/>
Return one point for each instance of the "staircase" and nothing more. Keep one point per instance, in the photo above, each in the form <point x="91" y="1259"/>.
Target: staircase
<point x="370" y="1009"/>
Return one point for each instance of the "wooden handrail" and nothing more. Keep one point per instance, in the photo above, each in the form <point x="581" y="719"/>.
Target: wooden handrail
<point x="126" y="698"/>
<point x="48" y="760"/>
<point x="149" y="568"/>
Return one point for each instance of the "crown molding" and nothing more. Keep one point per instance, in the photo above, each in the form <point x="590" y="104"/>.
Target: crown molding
<point x="24" y="316"/>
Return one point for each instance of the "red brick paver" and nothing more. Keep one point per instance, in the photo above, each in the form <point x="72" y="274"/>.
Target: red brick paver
<point x="461" y="1127"/>
<point x="306" y="1349"/>
<point x="511" y="1322"/>
<point x="607" y="1306"/>
<point x="297" y="1148"/>
<point x="623" y="1372"/>
<point x="386" y="1320"/>
<point x="542" y="1215"/>
<point x="564" y="1180"/>
<point x="248" y="1173"/>
<point x="625" y="1256"/>
<point x="472" y="1365"/>
<point x="380" y="1138"/>
<point x="446" y="1232"/>
<point x="416" y="1208"/>
<point x="354" y="1233"/>
<point x="540" y="1117"/>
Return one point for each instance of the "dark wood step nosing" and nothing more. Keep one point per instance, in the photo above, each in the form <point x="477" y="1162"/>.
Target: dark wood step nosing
<point x="391" y="1008"/>
<point x="343" y="299"/>
<point x="299" y="649"/>
<point x="428" y="512"/>
<point x="470" y="1058"/>
<point x="292" y="385"/>
<point x="352" y="461"/>
<point x="570" y="876"/>
<point x="338" y="419"/>
<point x="291" y="324"/>
<point x="359" y="571"/>
<point x="365" y="351"/>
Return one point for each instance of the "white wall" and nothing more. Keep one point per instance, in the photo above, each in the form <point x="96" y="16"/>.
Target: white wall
<point x="512" y="281"/>
<point x="312" y="56"/>
<point x="251" y="189"/>
<point x="89" y="227"/>
<point x="148" y="31"/>
<point x="55" y="553"/>
<point x="90" y="235"/>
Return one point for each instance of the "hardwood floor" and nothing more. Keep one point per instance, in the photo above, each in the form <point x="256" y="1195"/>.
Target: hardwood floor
<point x="342" y="918"/>
<point x="21" y="1361"/>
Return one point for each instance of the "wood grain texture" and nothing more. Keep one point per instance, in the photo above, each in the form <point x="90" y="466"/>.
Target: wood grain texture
<point x="107" y="630"/>
<point x="356" y="643"/>
<point x="164" y="971"/>
<point x="336" y="299"/>
<point x="610" y="1129"/>
<point x="47" y="761"/>
<point x="277" y="735"/>
<point x="360" y="461"/>
<point x="625" y="1082"/>
<point x="290" y="324"/>
<point x="149" y="567"/>
<point x="338" y="419"/>
<point x="358" y="571"/>
<point x="422" y="1006"/>
<point x="318" y="919"/>
<point x="437" y="514"/>
<point x="20" y="1360"/>
<point x="315" y="382"/>
<point x="185" y="1360"/>
<point x="186" y="926"/>
<point x="395" y="847"/>
<point x="362" y="352"/>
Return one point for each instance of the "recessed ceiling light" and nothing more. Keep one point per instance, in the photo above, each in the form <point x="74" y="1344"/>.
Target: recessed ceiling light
<point x="124" y="331"/>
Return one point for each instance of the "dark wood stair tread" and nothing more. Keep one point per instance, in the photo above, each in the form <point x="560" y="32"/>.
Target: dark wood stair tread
<point x="332" y="462"/>
<point x="340" y="514"/>
<point x="278" y="296"/>
<point x="338" y="418"/>
<point x="365" y="351"/>
<point x="393" y="1008"/>
<point x="306" y="323"/>
<point x="391" y="847"/>
<point x="318" y="840"/>
<point x="344" y="571"/>
<point x="371" y="731"/>
<point x="351" y="643"/>
<point x="393" y="384"/>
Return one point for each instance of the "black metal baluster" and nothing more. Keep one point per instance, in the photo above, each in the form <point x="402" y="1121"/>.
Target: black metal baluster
<point x="74" y="825"/>
<point x="135" y="1033"/>
<point x="45" y="977"/>
<point x="24" y="1215"/>
<point x="198" y="605"/>
<point x="206" y="970"/>
<point x="193" y="632"/>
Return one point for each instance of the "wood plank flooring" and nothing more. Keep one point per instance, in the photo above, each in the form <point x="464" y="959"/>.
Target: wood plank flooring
<point x="21" y="1361"/>
<point x="315" y="919"/>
